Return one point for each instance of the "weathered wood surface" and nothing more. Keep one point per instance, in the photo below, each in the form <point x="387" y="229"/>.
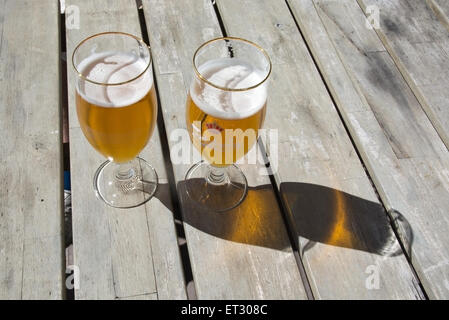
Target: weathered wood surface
<point x="31" y="214"/>
<point x="129" y="253"/>
<point x="243" y="253"/>
<point x="389" y="85"/>
<point x="343" y="231"/>
<point x="151" y="296"/>
<point x="418" y="43"/>
<point x="401" y="149"/>
<point x="441" y="9"/>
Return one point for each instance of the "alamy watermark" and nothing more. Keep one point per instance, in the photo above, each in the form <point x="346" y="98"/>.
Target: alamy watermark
<point x="225" y="146"/>
<point x="72" y="17"/>
<point x="73" y="279"/>
<point x="372" y="281"/>
<point x="372" y="17"/>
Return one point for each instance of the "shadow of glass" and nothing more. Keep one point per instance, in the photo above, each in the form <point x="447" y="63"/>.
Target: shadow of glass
<point x="333" y="217"/>
<point x="257" y="221"/>
<point x="318" y="214"/>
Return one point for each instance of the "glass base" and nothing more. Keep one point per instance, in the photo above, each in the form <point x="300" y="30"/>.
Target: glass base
<point x="218" y="189"/>
<point x="125" y="185"/>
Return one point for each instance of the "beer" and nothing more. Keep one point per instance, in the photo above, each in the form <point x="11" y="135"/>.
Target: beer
<point x="117" y="120"/>
<point x="223" y="123"/>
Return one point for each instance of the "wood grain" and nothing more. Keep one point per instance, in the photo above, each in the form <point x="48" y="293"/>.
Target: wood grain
<point x="151" y="296"/>
<point x="441" y="10"/>
<point x="120" y="253"/>
<point x="401" y="149"/>
<point x="418" y="43"/>
<point x="31" y="213"/>
<point x="243" y="253"/>
<point x="342" y="229"/>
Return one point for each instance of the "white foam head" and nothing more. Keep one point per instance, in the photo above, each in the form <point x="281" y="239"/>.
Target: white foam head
<point x="229" y="73"/>
<point x="110" y="68"/>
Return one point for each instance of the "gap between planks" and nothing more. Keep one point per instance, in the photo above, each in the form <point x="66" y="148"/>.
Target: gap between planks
<point x="179" y="227"/>
<point x="285" y="217"/>
<point x="67" y="239"/>
<point x="391" y="218"/>
<point x="331" y="95"/>
<point x="421" y="97"/>
<point x="356" y="148"/>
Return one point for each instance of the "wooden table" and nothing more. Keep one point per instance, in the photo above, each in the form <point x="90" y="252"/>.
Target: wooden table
<point x="359" y="205"/>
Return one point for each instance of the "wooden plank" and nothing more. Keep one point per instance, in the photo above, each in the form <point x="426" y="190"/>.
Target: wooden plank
<point x="31" y="214"/>
<point x="152" y="296"/>
<point x="243" y="253"/>
<point x="343" y="231"/>
<point x="120" y="253"/>
<point x="441" y="9"/>
<point x="418" y="43"/>
<point x="399" y="146"/>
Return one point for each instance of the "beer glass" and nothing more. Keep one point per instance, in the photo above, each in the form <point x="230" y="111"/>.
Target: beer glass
<point x="225" y="109"/>
<point x="117" y="109"/>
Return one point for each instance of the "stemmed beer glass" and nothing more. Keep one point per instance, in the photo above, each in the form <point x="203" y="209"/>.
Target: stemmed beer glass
<point x="225" y="109"/>
<point x="117" y="110"/>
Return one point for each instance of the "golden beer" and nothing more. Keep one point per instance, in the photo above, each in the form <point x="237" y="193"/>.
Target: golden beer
<point x="114" y="123"/>
<point x="117" y="110"/>
<point x="118" y="133"/>
<point x="225" y="150"/>
<point x="224" y="124"/>
<point x="225" y="110"/>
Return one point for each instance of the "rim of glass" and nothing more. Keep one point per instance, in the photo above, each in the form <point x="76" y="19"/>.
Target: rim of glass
<point x="109" y="33"/>
<point x="238" y="39"/>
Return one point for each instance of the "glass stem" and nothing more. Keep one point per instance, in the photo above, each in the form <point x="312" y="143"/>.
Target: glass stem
<point x="217" y="176"/>
<point x="125" y="171"/>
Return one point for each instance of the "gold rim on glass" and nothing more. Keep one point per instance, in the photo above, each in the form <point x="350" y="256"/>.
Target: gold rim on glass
<point x="117" y="83"/>
<point x="232" y="38"/>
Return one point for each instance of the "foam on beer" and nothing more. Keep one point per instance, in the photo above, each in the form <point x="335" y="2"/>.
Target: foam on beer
<point x="109" y="68"/>
<point x="229" y="73"/>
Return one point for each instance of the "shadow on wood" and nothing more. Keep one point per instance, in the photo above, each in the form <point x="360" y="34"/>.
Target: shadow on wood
<point x="257" y="221"/>
<point x="326" y="215"/>
<point x="318" y="213"/>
